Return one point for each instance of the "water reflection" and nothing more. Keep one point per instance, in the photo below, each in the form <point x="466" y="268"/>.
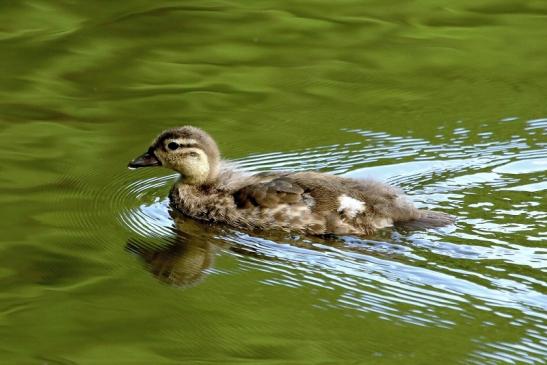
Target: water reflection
<point x="181" y="263"/>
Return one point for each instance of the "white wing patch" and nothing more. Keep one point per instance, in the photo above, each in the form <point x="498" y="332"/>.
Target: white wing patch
<point x="350" y="206"/>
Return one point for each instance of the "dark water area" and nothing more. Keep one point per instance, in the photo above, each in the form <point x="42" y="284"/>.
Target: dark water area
<point x="446" y="100"/>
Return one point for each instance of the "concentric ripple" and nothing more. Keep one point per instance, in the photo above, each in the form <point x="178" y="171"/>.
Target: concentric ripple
<point x="150" y="218"/>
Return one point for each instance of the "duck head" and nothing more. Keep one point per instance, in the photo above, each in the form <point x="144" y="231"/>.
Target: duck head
<point x="188" y="150"/>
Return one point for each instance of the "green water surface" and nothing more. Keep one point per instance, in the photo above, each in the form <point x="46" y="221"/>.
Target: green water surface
<point x="446" y="99"/>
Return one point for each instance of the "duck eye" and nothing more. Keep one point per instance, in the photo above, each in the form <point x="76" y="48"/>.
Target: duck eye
<point x="172" y="146"/>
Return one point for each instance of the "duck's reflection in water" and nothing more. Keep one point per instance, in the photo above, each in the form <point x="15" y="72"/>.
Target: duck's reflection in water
<point x="180" y="260"/>
<point x="183" y="263"/>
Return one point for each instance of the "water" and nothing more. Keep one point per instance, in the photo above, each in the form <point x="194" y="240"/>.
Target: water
<point x="445" y="100"/>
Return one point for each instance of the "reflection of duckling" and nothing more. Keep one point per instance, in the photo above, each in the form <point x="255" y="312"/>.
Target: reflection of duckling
<point x="182" y="263"/>
<point x="308" y="202"/>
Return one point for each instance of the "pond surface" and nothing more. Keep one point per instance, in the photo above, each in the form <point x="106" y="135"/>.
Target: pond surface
<point x="447" y="100"/>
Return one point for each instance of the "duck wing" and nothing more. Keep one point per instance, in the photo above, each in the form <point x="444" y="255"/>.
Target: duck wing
<point x="269" y="194"/>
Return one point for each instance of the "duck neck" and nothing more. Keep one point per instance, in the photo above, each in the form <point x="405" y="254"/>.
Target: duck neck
<point x="195" y="200"/>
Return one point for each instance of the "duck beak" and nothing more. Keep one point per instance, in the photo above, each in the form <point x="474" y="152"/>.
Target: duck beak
<point x="145" y="160"/>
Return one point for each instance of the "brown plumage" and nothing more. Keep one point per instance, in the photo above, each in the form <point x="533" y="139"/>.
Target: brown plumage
<point x="309" y="202"/>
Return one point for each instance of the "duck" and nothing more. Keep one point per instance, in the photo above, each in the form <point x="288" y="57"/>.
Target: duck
<point x="214" y="190"/>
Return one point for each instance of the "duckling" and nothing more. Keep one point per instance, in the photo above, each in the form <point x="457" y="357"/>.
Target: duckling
<point x="213" y="190"/>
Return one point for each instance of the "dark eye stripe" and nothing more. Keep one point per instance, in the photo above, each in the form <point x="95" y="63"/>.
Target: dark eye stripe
<point x="189" y="145"/>
<point x="174" y="145"/>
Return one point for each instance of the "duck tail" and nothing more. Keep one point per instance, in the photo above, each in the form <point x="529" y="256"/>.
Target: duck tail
<point x="428" y="219"/>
